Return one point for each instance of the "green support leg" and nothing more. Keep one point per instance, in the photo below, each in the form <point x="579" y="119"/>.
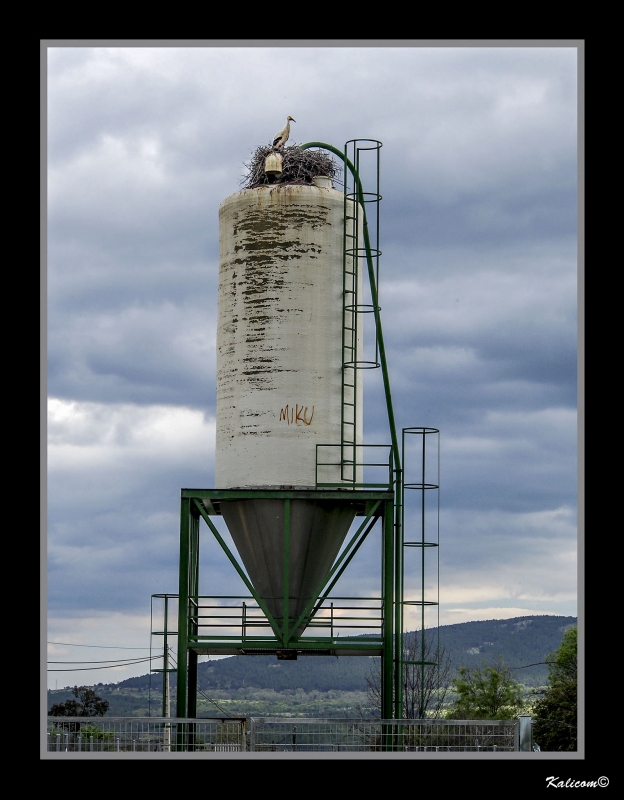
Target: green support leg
<point x="193" y="623"/>
<point x="183" y="609"/>
<point x="286" y="568"/>
<point x="398" y="595"/>
<point x="387" y="659"/>
<point x="183" y="621"/>
<point x="192" y="698"/>
<point x="186" y="694"/>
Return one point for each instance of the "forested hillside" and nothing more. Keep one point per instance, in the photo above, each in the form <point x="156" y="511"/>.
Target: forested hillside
<point x="329" y="686"/>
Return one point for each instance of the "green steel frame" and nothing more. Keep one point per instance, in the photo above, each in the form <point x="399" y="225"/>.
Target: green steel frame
<point x="382" y="502"/>
<point x="196" y="504"/>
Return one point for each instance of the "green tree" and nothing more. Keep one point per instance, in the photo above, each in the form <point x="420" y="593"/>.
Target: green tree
<point x="86" y="704"/>
<point x="488" y="692"/>
<point x="555" y="714"/>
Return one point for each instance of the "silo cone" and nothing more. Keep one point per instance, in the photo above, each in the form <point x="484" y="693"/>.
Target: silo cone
<point x="279" y="382"/>
<point x="317" y="530"/>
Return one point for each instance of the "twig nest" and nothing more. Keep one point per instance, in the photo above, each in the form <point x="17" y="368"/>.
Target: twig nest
<point x="297" y="166"/>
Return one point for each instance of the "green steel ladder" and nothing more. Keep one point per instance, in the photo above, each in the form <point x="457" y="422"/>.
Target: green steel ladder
<point x="350" y="341"/>
<point x="356" y="253"/>
<point x="360" y="250"/>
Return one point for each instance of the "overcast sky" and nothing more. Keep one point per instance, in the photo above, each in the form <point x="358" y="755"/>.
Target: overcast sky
<point x="478" y="293"/>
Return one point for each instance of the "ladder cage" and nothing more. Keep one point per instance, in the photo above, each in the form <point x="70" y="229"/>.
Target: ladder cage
<point x="361" y="211"/>
<point x="420" y="531"/>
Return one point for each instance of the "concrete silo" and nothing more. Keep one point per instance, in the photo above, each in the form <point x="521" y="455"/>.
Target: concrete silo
<point x="293" y="474"/>
<point x="280" y="386"/>
<point x="280" y="335"/>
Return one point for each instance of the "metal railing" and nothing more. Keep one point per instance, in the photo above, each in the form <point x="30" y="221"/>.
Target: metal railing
<point x="350" y="735"/>
<point x="375" y="465"/>
<point x="282" y="734"/>
<point x="144" y="734"/>
<point x="238" y="617"/>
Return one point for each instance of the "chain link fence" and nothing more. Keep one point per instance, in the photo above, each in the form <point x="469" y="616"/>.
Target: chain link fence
<point x="145" y="734"/>
<point x="349" y="735"/>
<point x="275" y="734"/>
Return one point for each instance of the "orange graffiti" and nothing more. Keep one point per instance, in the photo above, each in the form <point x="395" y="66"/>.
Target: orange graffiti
<point x="295" y="415"/>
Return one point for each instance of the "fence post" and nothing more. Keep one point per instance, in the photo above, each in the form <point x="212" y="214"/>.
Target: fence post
<point x="58" y="742"/>
<point x="524" y="734"/>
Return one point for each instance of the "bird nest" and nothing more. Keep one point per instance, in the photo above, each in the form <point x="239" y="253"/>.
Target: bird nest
<point x="298" y="166"/>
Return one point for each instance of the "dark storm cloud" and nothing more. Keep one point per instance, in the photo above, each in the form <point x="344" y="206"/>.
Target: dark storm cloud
<point x="478" y="296"/>
<point x="142" y="354"/>
<point x="487" y="218"/>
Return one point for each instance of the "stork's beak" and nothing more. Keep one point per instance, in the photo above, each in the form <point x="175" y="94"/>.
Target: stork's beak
<point x="292" y="119"/>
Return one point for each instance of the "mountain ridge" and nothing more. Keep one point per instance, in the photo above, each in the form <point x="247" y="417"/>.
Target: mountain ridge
<point x="524" y="643"/>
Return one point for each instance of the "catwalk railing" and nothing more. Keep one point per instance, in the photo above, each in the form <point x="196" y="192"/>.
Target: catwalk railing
<point x="240" y="618"/>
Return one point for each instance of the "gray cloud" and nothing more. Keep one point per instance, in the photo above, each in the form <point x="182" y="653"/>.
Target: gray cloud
<point x="478" y="295"/>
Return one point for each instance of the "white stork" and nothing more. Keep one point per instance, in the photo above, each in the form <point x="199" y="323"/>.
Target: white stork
<point x="281" y="137"/>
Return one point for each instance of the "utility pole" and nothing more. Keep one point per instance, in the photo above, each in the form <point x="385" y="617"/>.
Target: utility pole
<point x="167" y="697"/>
<point x="166" y="689"/>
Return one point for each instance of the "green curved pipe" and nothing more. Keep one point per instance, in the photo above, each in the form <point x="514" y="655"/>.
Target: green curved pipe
<point x="398" y="505"/>
<point x="374" y="296"/>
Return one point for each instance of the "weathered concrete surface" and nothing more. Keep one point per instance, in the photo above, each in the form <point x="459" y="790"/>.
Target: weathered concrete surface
<point x="279" y="335"/>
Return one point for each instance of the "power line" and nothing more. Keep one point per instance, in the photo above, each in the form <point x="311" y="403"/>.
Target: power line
<point x="214" y="702"/>
<point x="122" y="663"/>
<point x="80" y="669"/>
<point x="103" y="646"/>
<point x="110" y="661"/>
<point x="204" y="695"/>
